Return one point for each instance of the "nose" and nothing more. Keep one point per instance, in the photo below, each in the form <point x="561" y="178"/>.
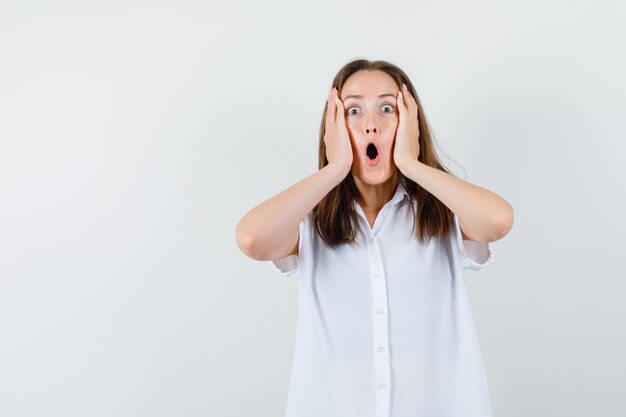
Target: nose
<point x="371" y="125"/>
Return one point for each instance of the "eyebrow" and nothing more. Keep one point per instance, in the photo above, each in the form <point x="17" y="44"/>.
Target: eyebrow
<point x="360" y="97"/>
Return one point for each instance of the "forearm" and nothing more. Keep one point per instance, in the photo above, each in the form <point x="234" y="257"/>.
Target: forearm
<point x="266" y="227"/>
<point x="486" y="217"/>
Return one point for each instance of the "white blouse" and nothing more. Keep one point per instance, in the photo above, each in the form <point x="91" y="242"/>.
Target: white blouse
<point x="386" y="329"/>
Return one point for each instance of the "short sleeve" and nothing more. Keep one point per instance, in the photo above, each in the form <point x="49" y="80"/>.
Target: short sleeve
<point x="474" y="255"/>
<point x="289" y="265"/>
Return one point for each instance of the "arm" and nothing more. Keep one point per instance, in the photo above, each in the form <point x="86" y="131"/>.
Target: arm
<point x="483" y="215"/>
<point x="265" y="231"/>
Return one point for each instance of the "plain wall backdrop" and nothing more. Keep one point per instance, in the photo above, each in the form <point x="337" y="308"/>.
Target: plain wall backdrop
<point x="134" y="135"/>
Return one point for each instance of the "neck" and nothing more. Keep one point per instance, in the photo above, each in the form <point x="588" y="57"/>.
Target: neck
<point x="372" y="197"/>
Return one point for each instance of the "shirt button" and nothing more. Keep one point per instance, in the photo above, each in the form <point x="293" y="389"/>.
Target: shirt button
<point x="376" y="275"/>
<point x="382" y="385"/>
<point x="380" y="349"/>
<point x="379" y="310"/>
<point x="372" y="238"/>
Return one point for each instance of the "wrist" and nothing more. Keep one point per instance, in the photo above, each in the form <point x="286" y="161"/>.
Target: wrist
<point x="405" y="163"/>
<point x="339" y="170"/>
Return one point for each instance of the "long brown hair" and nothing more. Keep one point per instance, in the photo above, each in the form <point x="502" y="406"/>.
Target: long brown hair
<point x="335" y="217"/>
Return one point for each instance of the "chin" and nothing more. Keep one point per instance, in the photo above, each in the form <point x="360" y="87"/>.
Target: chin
<point x="373" y="175"/>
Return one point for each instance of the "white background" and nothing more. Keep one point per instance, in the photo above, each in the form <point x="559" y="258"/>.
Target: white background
<point x="135" y="135"/>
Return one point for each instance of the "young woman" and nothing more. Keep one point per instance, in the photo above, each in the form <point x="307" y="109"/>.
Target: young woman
<point x="378" y="239"/>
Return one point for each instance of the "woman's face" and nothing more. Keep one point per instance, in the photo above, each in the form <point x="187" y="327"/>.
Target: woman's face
<point x="371" y="118"/>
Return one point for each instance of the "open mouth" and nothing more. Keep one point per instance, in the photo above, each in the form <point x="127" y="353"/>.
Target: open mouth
<point x="372" y="154"/>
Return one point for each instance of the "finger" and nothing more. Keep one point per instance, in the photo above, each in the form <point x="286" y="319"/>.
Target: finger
<point x="405" y="98"/>
<point x="414" y="108"/>
<point x="339" y="105"/>
<point x="411" y="104"/>
<point x="401" y="106"/>
<point x="330" y="110"/>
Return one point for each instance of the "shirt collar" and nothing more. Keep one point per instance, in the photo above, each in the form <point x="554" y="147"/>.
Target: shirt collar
<point x="399" y="195"/>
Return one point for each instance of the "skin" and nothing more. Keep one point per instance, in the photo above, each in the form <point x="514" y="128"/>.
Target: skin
<point x="483" y="215"/>
<point x="372" y="119"/>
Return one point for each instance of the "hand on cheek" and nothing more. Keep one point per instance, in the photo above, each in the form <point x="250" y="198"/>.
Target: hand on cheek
<point x="406" y="144"/>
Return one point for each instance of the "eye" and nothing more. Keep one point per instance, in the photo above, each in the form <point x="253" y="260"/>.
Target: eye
<point x="350" y="108"/>
<point x="390" y="108"/>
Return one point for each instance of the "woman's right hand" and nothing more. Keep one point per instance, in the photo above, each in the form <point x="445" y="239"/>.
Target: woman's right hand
<point x="336" y="137"/>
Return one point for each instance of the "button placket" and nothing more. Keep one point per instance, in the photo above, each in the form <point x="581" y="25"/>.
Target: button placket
<point x="380" y="329"/>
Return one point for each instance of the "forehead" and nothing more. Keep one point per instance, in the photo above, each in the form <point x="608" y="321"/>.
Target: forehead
<point x="369" y="84"/>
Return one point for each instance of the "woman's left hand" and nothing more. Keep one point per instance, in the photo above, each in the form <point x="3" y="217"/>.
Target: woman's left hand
<point x="406" y="146"/>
